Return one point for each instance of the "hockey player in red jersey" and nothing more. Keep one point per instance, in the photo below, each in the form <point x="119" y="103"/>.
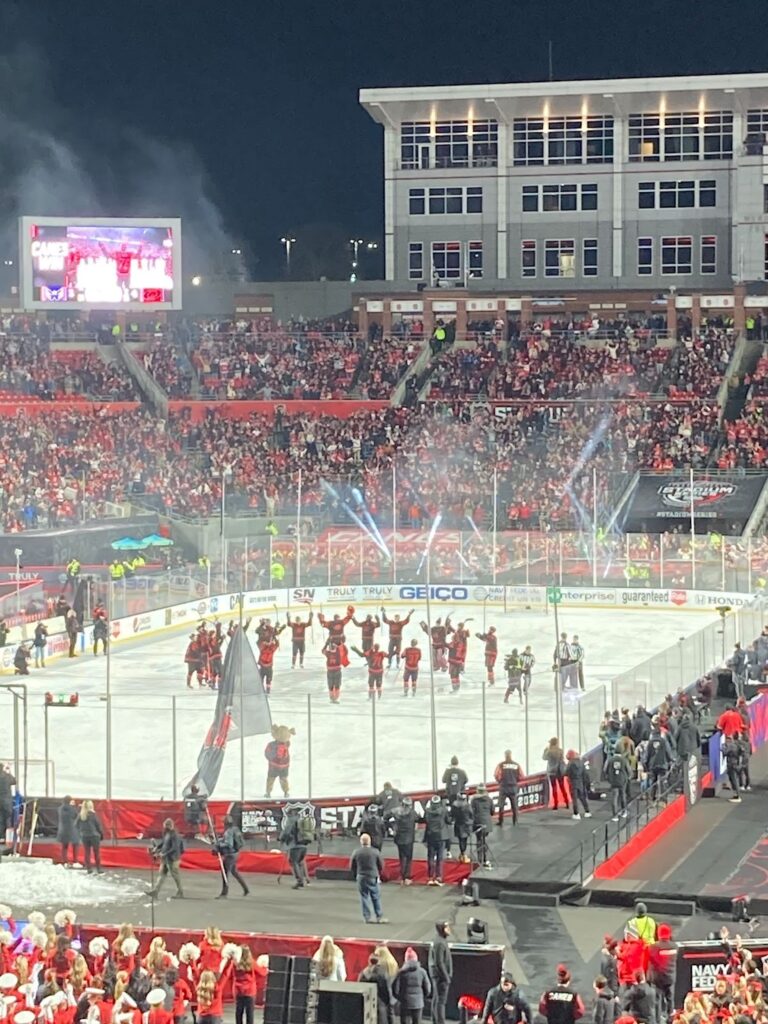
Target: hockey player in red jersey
<point x="194" y="660"/>
<point x="411" y="657"/>
<point x="491" y="652"/>
<point x="267" y="651"/>
<point x="375" y="658"/>
<point x="396" y="627"/>
<point x="457" y="652"/>
<point x="333" y="663"/>
<point x="299" y="639"/>
<point x="438" y="643"/>
<point x="368" y="628"/>
<point x="335" y="626"/>
<point x="215" y="643"/>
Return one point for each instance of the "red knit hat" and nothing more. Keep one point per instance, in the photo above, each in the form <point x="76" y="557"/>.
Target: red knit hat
<point x="664" y="932"/>
<point x="411" y="954"/>
<point x="563" y="974"/>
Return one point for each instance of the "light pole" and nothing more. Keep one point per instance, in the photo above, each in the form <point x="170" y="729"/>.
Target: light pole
<point x="356" y="243"/>
<point x="287" y="242"/>
<point x="18" y="552"/>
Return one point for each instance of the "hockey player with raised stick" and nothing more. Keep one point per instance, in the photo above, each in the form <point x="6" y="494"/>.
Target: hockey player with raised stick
<point x="491" y="652"/>
<point x="298" y="630"/>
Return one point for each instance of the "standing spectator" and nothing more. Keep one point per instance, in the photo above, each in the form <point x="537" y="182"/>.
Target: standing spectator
<point x="609" y="968"/>
<point x="560" y="1004"/>
<point x="506" y="1004"/>
<point x="411" y="988"/>
<point x="617" y="774"/>
<point x="40" y="642"/>
<point x="640" y="999"/>
<point x="658" y="757"/>
<point x="606" y="1008"/>
<point x="91" y="833"/>
<point x="330" y="961"/>
<point x="7" y="783"/>
<point x="367" y="866"/>
<point x="66" y="829"/>
<point x="555" y="758"/>
<point x="244" y="980"/>
<point x="72" y="627"/>
<point x="662" y="971"/>
<point x="375" y="974"/>
<point x="642" y="925"/>
<point x="578" y="780"/>
<point x="440" y="970"/>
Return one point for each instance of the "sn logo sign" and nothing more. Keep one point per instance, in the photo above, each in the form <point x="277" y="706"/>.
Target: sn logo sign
<point x="304" y="595"/>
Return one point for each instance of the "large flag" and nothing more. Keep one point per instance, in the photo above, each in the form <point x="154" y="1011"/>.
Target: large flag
<point x="242" y="709"/>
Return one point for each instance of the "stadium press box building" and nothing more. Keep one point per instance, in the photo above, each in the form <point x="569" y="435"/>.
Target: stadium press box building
<point x="657" y="183"/>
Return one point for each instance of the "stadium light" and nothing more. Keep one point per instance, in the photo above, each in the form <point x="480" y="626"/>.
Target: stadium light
<point x="197" y="280"/>
<point x="287" y="242"/>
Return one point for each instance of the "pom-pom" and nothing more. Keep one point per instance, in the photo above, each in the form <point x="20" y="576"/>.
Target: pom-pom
<point x="37" y="919"/>
<point x="231" y="951"/>
<point x="262" y="961"/>
<point x="5" y="912"/>
<point x="40" y="939"/>
<point x="64" y="917"/>
<point x="130" y="946"/>
<point x="189" y="953"/>
<point x="98" y="946"/>
<point x="6" y="938"/>
<point x="28" y="931"/>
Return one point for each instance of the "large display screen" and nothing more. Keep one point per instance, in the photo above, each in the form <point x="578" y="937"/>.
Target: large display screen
<point x="100" y="262"/>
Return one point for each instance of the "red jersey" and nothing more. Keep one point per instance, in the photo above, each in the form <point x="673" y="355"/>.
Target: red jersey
<point x="194" y="652"/>
<point x="245" y="982"/>
<point x="157" y="1015"/>
<point x="335" y="626"/>
<point x="491" y="642"/>
<point x="267" y="653"/>
<point x="375" y="661"/>
<point x="278" y="754"/>
<point x="412" y="657"/>
<point x="298" y="629"/>
<point x="396" y="626"/>
<point x="368" y="628"/>
<point x="182" y="997"/>
<point x="332" y="658"/>
<point x="438" y="636"/>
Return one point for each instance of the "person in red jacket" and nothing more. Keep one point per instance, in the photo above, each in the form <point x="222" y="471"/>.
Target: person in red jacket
<point x="632" y="955"/>
<point x="211" y="946"/>
<point x="210" y="995"/>
<point x="730" y="722"/>
<point x="375" y="658"/>
<point x="411" y="657"/>
<point x="182" y="994"/>
<point x="194" y="659"/>
<point x="245" y="985"/>
<point x="298" y="639"/>
<point x="267" y="652"/>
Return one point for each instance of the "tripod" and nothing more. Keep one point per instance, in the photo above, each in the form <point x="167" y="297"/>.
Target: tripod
<point x="474" y="851"/>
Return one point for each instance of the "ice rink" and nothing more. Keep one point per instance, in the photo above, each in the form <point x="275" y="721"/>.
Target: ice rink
<point x="158" y="724"/>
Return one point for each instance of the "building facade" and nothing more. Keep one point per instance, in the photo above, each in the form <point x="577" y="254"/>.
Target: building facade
<point x="630" y="183"/>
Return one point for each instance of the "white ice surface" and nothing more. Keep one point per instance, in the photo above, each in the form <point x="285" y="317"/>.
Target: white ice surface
<point x="148" y="677"/>
<point x="40" y="884"/>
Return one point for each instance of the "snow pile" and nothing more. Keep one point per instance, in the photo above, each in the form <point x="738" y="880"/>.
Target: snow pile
<point x="33" y="883"/>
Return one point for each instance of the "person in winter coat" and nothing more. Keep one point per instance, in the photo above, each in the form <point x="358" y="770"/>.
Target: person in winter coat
<point x="632" y="955"/>
<point x="375" y="974"/>
<point x="640" y="999"/>
<point x="411" y="988"/>
<point x="506" y="1004"/>
<point x="455" y="779"/>
<point x="738" y="666"/>
<point x="560" y="1004"/>
<point x="461" y="814"/>
<point x="435" y="822"/>
<point x="440" y="970"/>
<point x="555" y="769"/>
<point x="229" y="847"/>
<point x="640" y="728"/>
<point x="330" y="961"/>
<point x="90" y="833"/>
<point x="732" y="754"/>
<point x="662" y="971"/>
<point x="481" y="807"/>
<point x="66" y="829"/>
<point x="658" y="758"/>
<point x="578" y="780"/>
<point x="40" y="642"/>
<point x="606" y="1008"/>
<point x="404" y="834"/>
<point x="609" y="967"/>
<point x="617" y="774"/>
<point x="687" y="741"/>
<point x="372" y="824"/>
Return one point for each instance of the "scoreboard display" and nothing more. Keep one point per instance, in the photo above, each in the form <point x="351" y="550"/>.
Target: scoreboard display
<point x="101" y="263"/>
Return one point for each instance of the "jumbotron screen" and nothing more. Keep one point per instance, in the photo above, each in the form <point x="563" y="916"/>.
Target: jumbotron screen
<point x="101" y="262"/>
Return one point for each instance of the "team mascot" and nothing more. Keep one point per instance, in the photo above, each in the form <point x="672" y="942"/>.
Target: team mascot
<point x="278" y="755"/>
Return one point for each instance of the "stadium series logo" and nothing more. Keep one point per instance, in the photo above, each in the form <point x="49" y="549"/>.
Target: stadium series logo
<point x="705" y="492"/>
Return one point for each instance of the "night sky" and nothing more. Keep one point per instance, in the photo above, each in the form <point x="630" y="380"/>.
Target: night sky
<point x="144" y="107"/>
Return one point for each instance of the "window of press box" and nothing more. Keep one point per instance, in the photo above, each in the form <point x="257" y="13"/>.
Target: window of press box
<point x="708" y="254"/>
<point x="528" y="258"/>
<point x="415" y="261"/>
<point x="589" y="257"/>
<point x="559" y="258"/>
<point x="645" y="256"/>
<point x="677" y="254"/>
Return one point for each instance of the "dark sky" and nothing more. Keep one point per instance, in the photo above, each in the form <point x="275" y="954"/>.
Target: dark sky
<point x="150" y="102"/>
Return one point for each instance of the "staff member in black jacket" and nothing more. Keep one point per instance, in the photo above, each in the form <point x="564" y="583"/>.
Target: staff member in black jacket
<point x="481" y="807"/>
<point x="506" y="1004"/>
<point x="66" y="830"/>
<point x="229" y="846"/>
<point x="91" y="833"/>
<point x="169" y="851"/>
<point x="440" y="970"/>
<point x="7" y="782"/>
<point x="404" y="833"/>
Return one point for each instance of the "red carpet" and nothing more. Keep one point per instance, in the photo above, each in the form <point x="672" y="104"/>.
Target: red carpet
<point x="258" y="862"/>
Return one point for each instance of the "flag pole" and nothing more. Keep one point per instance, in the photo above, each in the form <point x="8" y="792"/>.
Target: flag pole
<point x="693" y="531"/>
<point x="298" y="533"/>
<point x="241" y="638"/>
<point x="394" y="521"/>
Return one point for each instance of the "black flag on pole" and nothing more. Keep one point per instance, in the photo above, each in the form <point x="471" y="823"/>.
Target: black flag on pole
<point x="242" y="709"/>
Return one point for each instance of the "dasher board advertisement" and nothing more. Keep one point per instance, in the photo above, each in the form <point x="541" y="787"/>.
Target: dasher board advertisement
<point x="122" y="263"/>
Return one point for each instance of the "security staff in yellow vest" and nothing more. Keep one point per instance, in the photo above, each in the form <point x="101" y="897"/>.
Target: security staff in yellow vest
<point x="73" y="568"/>
<point x="204" y="562"/>
<point x="138" y="562"/>
<point x="116" y="570"/>
<point x="277" y="571"/>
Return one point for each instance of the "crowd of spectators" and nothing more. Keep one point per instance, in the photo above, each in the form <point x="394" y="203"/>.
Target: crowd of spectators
<point x="29" y="368"/>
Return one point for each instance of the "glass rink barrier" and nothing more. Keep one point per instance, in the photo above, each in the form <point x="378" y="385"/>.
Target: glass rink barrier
<point x="135" y="722"/>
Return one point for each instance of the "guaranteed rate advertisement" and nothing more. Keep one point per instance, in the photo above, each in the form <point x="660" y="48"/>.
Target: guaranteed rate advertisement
<point x="103" y="263"/>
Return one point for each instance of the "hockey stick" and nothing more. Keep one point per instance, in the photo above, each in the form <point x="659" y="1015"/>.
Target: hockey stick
<point x="216" y="847"/>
